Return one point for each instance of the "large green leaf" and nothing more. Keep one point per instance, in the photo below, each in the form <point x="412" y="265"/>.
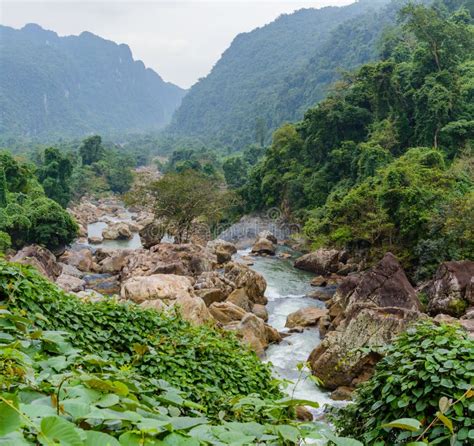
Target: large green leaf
<point x="179" y="440"/>
<point x="100" y="439"/>
<point x="58" y="430"/>
<point x="408" y="424"/>
<point x="9" y="416"/>
<point x="13" y="439"/>
<point x="342" y="441"/>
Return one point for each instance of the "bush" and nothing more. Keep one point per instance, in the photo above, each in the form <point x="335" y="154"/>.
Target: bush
<point x="428" y="367"/>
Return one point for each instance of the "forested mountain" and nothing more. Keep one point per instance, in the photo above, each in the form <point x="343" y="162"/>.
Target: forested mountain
<point x="74" y="85"/>
<point x="271" y="74"/>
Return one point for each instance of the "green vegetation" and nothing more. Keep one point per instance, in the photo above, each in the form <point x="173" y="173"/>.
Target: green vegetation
<point x="182" y="199"/>
<point x="385" y="162"/>
<point x="85" y="374"/>
<point x="427" y="375"/>
<point x="255" y="86"/>
<point x="27" y="215"/>
<point x="71" y="86"/>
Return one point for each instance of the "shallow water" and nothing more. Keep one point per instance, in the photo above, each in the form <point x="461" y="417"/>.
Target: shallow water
<point x="95" y="230"/>
<point x="287" y="291"/>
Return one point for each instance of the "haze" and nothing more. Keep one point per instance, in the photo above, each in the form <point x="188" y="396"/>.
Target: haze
<point x="181" y="40"/>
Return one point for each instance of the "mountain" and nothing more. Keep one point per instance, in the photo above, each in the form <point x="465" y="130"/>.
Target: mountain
<point x="77" y="85"/>
<point x="256" y="81"/>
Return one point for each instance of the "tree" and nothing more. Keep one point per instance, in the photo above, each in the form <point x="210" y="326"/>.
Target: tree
<point x="235" y="171"/>
<point x="91" y="150"/>
<point x="3" y="188"/>
<point x="183" y="200"/>
<point x="55" y="176"/>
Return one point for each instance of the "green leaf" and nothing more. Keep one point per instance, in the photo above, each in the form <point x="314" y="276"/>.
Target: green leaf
<point x="100" y="439"/>
<point x="408" y="424"/>
<point x="14" y="439"/>
<point x="342" y="441"/>
<point x="9" y="417"/>
<point x="179" y="440"/>
<point x="446" y="421"/>
<point x="131" y="439"/>
<point x="56" y="429"/>
<point x="288" y="433"/>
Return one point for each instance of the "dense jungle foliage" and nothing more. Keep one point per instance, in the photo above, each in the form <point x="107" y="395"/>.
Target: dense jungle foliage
<point x="385" y="162"/>
<point x="86" y="374"/>
<point x="257" y="83"/>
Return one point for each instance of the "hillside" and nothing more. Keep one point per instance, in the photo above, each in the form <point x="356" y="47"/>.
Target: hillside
<point x="254" y="80"/>
<point x="77" y="85"/>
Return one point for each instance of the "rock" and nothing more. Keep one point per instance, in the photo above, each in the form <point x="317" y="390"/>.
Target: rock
<point x="268" y="235"/>
<point x="117" y="231"/>
<point x="319" y="281"/>
<point x="157" y="286"/>
<point x="263" y="246"/>
<point x="226" y="312"/>
<point x="452" y="288"/>
<point x="90" y="296"/>
<point x="114" y="262"/>
<point x="284" y="255"/>
<point x="103" y="283"/>
<point x="323" y="325"/>
<point x="167" y="258"/>
<point x="342" y="393"/>
<point x="82" y="231"/>
<point x="70" y="283"/>
<point x="384" y="285"/>
<point x="323" y="296"/>
<point x="323" y="261"/>
<point x="239" y="297"/>
<point x="81" y="259"/>
<point x="222" y="249"/>
<point x="155" y="304"/>
<point x="260" y="311"/>
<point x="70" y="270"/>
<point x="467" y="324"/>
<point x="303" y="414"/>
<point x="366" y="311"/>
<point x="151" y="234"/>
<point x="213" y="287"/>
<point x="95" y="240"/>
<point x="252" y="282"/>
<point x="305" y="317"/>
<point x="193" y="309"/>
<point x="40" y="258"/>
<point x="254" y="332"/>
<point x="338" y="360"/>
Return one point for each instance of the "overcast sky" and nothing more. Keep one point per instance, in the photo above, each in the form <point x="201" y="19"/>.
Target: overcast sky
<point x="181" y="40"/>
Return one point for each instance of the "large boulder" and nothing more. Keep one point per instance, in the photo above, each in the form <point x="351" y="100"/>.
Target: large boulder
<point x="323" y="261"/>
<point x="158" y="286"/>
<point x="384" y="285"/>
<point x="117" y="231"/>
<point x="81" y="259"/>
<point x="254" y="332"/>
<point x="305" y="317"/>
<point x="193" y="309"/>
<point x="452" y="288"/>
<point x="151" y="234"/>
<point x="223" y="250"/>
<point x="166" y="258"/>
<point x="212" y="287"/>
<point x="103" y="283"/>
<point x="226" y="312"/>
<point x="113" y="261"/>
<point x="41" y="258"/>
<point x="239" y="297"/>
<point x="366" y="311"/>
<point x="263" y="246"/>
<point x="70" y="283"/>
<point x="342" y="358"/>
<point x="252" y="282"/>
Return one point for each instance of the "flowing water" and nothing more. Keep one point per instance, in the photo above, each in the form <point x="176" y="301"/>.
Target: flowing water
<point x="287" y="292"/>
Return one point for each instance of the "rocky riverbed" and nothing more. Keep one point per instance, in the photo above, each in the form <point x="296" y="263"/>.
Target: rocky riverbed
<point x="323" y="308"/>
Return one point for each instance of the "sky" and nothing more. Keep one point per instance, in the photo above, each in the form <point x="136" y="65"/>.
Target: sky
<point x="180" y="39"/>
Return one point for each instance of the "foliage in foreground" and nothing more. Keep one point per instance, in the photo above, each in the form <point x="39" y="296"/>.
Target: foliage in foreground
<point x="427" y="375"/>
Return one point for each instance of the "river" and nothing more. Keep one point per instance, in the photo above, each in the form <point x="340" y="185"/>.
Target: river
<point x="287" y="291"/>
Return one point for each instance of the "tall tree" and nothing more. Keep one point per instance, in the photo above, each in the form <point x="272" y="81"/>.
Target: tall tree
<point x="91" y="150"/>
<point x="3" y="188"/>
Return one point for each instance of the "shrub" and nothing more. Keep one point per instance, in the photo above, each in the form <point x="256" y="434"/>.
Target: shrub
<point x="426" y="366"/>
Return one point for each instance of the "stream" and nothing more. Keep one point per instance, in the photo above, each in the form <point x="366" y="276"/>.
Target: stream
<point x="287" y="291"/>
